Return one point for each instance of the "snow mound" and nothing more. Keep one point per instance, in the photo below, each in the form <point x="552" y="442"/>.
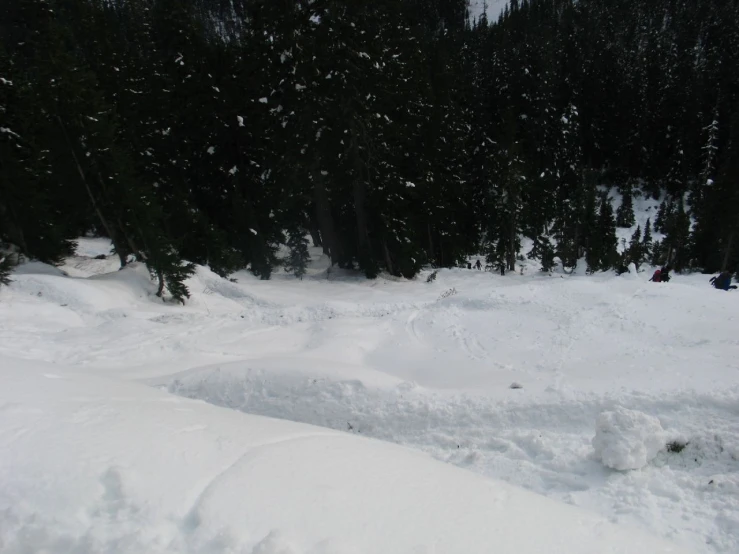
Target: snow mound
<point x="627" y="439"/>
<point x="90" y="464"/>
<point x="384" y="359"/>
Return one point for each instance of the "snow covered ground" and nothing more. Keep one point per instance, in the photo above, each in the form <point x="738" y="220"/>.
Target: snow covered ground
<point x="92" y="465"/>
<point x="106" y="443"/>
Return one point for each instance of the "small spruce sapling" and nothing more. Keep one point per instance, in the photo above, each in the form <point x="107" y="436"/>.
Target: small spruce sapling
<point x="5" y="268"/>
<point x="647" y="240"/>
<point x="170" y="271"/>
<point x="543" y="250"/>
<point x="625" y="213"/>
<point x="297" y="260"/>
<point x="659" y="253"/>
<point x="635" y="252"/>
<point x="665" y="217"/>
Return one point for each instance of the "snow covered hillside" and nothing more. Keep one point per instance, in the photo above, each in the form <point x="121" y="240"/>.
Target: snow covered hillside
<point x="109" y="440"/>
<point x="493" y="8"/>
<point x="98" y="465"/>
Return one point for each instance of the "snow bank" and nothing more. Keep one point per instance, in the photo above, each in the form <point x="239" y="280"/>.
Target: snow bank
<point x="627" y="439"/>
<point x="89" y="464"/>
<point x="388" y="359"/>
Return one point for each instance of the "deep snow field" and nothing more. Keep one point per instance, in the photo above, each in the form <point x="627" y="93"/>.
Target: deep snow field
<point x="102" y="448"/>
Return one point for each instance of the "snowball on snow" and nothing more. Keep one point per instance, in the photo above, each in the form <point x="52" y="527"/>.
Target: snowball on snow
<point x="627" y="439"/>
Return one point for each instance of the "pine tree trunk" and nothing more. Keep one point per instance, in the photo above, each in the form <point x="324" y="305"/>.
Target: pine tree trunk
<point x="12" y="230"/>
<point x="315" y="233"/>
<point x="325" y="219"/>
<point x="513" y="193"/>
<point x="388" y="259"/>
<point x="98" y="211"/>
<point x="432" y="254"/>
<point x="511" y="255"/>
<point x="360" y="194"/>
<point x="131" y="243"/>
<point x="727" y="252"/>
<point x="160" y="289"/>
<point x="261" y="260"/>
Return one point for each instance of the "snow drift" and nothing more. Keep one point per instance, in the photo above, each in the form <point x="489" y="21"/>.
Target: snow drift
<point x="98" y="465"/>
<point x="390" y="359"/>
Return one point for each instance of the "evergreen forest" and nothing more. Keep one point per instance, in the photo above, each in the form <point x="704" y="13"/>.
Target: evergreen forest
<point x="395" y="134"/>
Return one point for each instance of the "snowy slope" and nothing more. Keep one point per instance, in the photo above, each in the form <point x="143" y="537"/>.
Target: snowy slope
<point x="421" y="365"/>
<point x="92" y="464"/>
<point x="493" y="9"/>
<point x="645" y="209"/>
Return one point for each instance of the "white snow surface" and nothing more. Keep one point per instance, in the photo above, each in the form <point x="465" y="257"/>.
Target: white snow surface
<point x="132" y="425"/>
<point x="94" y="464"/>
<point x="627" y="439"/>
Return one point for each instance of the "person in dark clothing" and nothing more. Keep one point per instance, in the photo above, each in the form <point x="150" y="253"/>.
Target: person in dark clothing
<point x="662" y="275"/>
<point x="723" y="281"/>
<point x="478" y="265"/>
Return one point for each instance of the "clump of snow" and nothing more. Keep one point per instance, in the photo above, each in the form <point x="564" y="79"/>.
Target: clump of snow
<point x="627" y="439"/>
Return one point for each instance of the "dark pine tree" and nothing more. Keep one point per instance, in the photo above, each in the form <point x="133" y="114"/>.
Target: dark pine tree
<point x="635" y="252"/>
<point x="298" y="258"/>
<point x="6" y="267"/>
<point x="647" y="240"/>
<point x="625" y="213"/>
<point x="602" y="253"/>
